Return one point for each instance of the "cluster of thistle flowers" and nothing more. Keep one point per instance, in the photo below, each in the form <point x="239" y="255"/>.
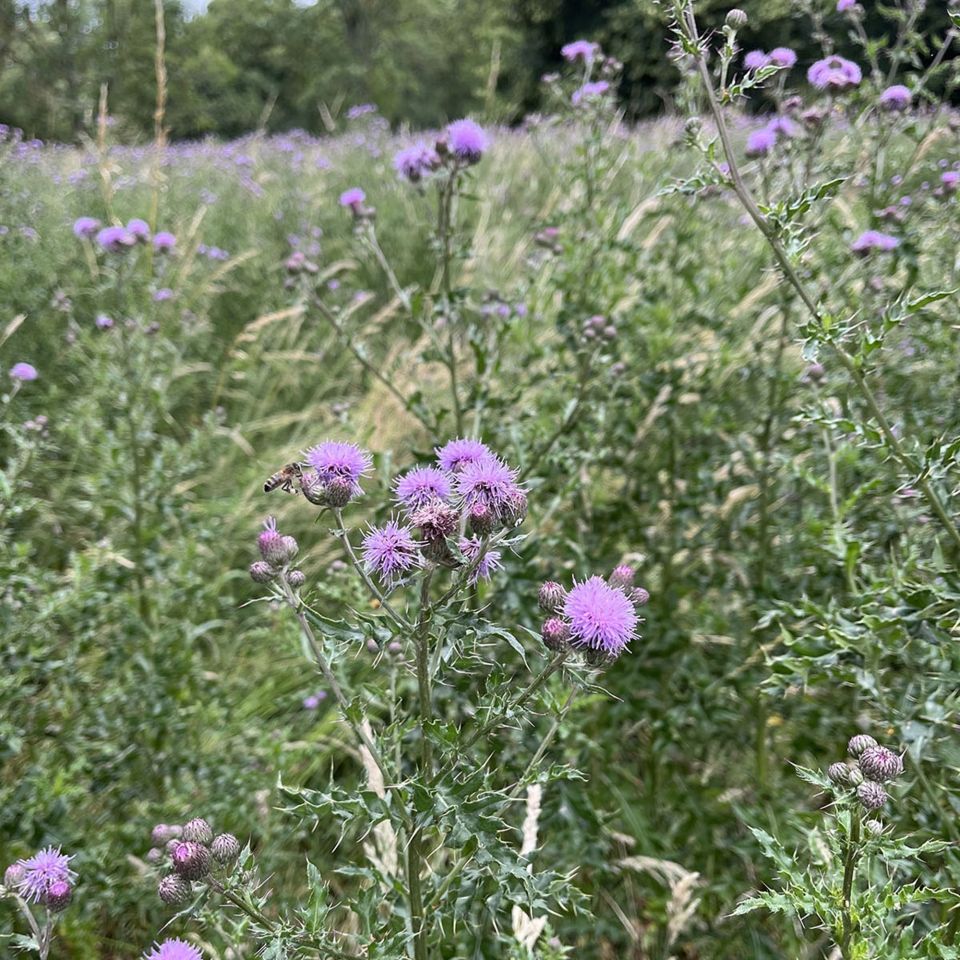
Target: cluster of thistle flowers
<point x="870" y="767"/>
<point x="118" y="239"/>
<point x="45" y="879"/>
<point x="598" y="73"/>
<point x="190" y="852"/>
<point x="596" y="617"/>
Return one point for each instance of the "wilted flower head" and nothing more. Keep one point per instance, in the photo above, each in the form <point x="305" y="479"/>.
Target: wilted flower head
<point x="467" y="140"/>
<point x="173" y="950"/>
<point x="589" y="91"/>
<point x="41" y="871"/>
<point x="756" y="59"/>
<point x="490" y="560"/>
<point x="601" y="617"/>
<point x="419" y="486"/>
<point x="352" y="198"/>
<point x="164" y="242"/>
<point x="390" y="551"/>
<point x="115" y="239"/>
<point x="416" y="161"/>
<point x="23" y="371"/>
<point x="584" y="50"/>
<point x="85" y="226"/>
<point x="335" y="460"/>
<point x="782" y="57"/>
<point x="871" y="240"/>
<point x="897" y="97"/>
<point x="436" y="520"/>
<point x="834" y="73"/>
<point x="454" y="455"/>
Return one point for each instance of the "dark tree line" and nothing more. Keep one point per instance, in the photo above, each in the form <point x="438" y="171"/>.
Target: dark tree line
<point x="274" y="64"/>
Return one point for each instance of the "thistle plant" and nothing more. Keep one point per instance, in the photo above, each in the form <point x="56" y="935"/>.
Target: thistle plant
<point x="41" y="886"/>
<point x="856" y="876"/>
<point x="435" y="816"/>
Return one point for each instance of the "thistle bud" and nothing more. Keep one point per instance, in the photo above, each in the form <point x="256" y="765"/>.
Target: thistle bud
<point x="271" y="544"/>
<point x="880" y="764"/>
<point x="839" y="774"/>
<point x="154" y="855"/>
<point x="873" y="827"/>
<point x="296" y="579"/>
<point x="514" y="508"/>
<point x="191" y="860"/>
<point x="225" y="848"/>
<point x="174" y="889"/>
<point x="871" y="795"/>
<point x="13" y="875"/>
<point x="163" y="832"/>
<point x="481" y="520"/>
<point x="172" y="844"/>
<point x="551" y="596"/>
<point x="555" y="633"/>
<point x="338" y="492"/>
<point x="859" y="743"/>
<point x="855" y="776"/>
<point x="621" y="577"/>
<point x="59" y="894"/>
<point x="736" y="18"/>
<point x="261" y="572"/>
<point x="197" y="830"/>
<point x="290" y="547"/>
<point x="640" y="596"/>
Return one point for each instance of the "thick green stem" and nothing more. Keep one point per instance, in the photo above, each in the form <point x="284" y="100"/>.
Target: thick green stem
<point x="850" y="857"/>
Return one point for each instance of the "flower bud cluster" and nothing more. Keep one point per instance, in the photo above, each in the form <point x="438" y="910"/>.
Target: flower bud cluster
<point x="597" y="616"/>
<point x="192" y="853"/>
<point x="870" y="767"/>
<point x="276" y="554"/>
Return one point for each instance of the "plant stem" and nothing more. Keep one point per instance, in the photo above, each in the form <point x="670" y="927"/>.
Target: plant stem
<point x="445" y="238"/>
<point x="850" y="858"/>
<point x="848" y="361"/>
<point x="545" y="743"/>
<point x="422" y="638"/>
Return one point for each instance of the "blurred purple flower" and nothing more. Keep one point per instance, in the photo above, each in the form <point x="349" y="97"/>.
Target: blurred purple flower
<point x="139" y="230"/>
<point x="23" y="371"/>
<point x="164" y="242"/>
<point x="467" y="140"/>
<point x="103" y="322"/>
<point x="589" y="91"/>
<point x="584" y="50"/>
<point x="782" y="57"/>
<point x="85" y="227"/>
<point x="834" y="73"/>
<point x="115" y="239"/>
<point x="489" y="562"/>
<point x="761" y="142"/>
<point x="416" y="161"/>
<point x="352" y="198"/>
<point x="871" y="240"/>
<point x="897" y="97"/>
<point x="173" y="950"/>
<point x="756" y="59"/>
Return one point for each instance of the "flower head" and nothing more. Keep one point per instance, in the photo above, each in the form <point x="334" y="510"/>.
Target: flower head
<point x="756" y="59"/>
<point x="41" y="871"/>
<point x="421" y="485"/>
<point x="103" y="322"/>
<point x="880" y="764"/>
<point x="871" y="240"/>
<point x="845" y="5"/>
<point x="834" y="73"/>
<point x="23" y="371"/>
<point x="490" y="482"/>
<point x="164" y="242"/>
<point x="470" y="547"/>
<point x="454" y="455"/>
<point x="352" y="198"/>
<point x="584" y="50"/>
<point x="467" y="140"/>
<point x="950" y="180"/>
<point x="436" y="520"/>
<point x="589" y="91"/>
<point x="336" y="460"/>
<point x="783" y="57"/>
<point x="85" y="227"/>
<point x="139" y="230"/>
<point x="115" y="239"/>
<point x="897" y="97"/>
<point x="416" y="161"/>
<point x="871" y="795"/>
<point x="761" y="142"/>
<point x="173" y="950"/>
<point x="601" y="617"/>
<point x="390" y="551"/>
<point x="784" y="126"/>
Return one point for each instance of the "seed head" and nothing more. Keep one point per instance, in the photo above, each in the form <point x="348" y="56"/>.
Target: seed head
<point x="174" y="889"/>
<point x="191" y="860"/>
<point x="880" y="764"/>
<point x="225" y="848"/>
<point x="197" y="830"/>
<point x="551" y="596"/>
<point x="871" y="795"/>
<point x="859" y="743"/>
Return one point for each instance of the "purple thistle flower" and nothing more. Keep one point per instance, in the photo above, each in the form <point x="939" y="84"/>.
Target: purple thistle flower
<point x="41" y="871"/>
<point x="783" y="57"/>
<point x="352" y="198"/>
<point x="490" y="561"/>
<point x="601" y="617"/>
<point x="416" y="161"/>
<point x="467" y="140"/>
<point x="761" y="142"/>
<point x="173" y="950"/>
<point x="784" y="126"/>
<point x="390" y="551"/>
<point x="23" y="371"/>
<point x="139" y="230"/>
<point x="834" y="73"/>
<point x="584" y="50"/>
<point x="164" y="242"/>
<point x="490" y="482"/>
<point x="871" y="240"/>
<point x="589" y="91"/>
<point x="115" y="239"/>
<point x="103" y="322"/>
<point x="335" y="460"/>
<point x="421" y="485"/>
<point x="454" y="455"/>
<point x="897" y="97"/>
<point x="756" y="59"/>
<point x="845" y="5"/>
<point x="164" y="293"/>
<point x="950" y="180"/>
<point x="85" y="227"/>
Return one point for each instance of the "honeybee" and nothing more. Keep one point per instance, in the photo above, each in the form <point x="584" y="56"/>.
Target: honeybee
<point x="285" y="478"/>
